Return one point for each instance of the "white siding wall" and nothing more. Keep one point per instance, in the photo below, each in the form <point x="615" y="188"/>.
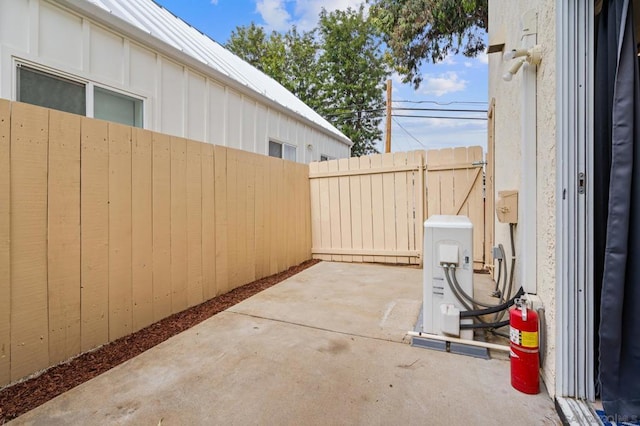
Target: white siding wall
<point x="505" y="26"/>
<point x="177" y="100"/>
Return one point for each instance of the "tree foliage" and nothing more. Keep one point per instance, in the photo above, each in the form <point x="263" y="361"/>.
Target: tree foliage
<point x="353" y="72"/>
<point x="428" y="30"/>
<point x="338" y="69"/>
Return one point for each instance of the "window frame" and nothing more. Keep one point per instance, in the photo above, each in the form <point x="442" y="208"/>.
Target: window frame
<point x="90" y="87"/>
<point x="283" y="145"/>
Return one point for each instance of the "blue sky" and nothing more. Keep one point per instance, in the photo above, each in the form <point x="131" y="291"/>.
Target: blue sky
<point x="456" y="83"/>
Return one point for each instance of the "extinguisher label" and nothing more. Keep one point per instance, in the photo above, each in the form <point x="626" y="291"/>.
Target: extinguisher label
<point x="514" y="335"/>
<point x="529" y="339"/>
<point x="526" y="339"/>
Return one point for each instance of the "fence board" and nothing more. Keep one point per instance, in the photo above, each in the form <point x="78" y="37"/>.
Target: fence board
<point x="29" y="318"/>
<point x="412" y="204"/>
<point x="325" y="210"/>
<point x="178" y="224"/>
<point x="234" y="195"/>
<point x="120" y="289"/>
<point x="141" y="229"/>
<point x="344" y="197"/>
<point x="367" y="208"/>
<point x="378" y="211"/>
<point x="5" y="247"/>
<point x="222" y="277"/>
<point x="64" y="236"/>
<point x="249" y="238"/>
<point x="356" y="208"/>
<point x="402" y="219"/>
<point x="262" y="219"/>
<point x="161" y="171"/>
<point x="195" y="290"/>
<point x="208" y="223"/>
<point x="94" y="233"/>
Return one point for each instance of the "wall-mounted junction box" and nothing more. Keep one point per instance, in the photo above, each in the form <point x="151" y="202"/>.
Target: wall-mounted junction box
<point x="507" y="206"/>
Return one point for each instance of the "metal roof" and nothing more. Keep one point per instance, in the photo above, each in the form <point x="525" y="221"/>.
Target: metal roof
<point x="159" y="23"/>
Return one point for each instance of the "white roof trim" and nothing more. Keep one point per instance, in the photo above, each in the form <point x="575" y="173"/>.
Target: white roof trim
<point x="150" y="24"/>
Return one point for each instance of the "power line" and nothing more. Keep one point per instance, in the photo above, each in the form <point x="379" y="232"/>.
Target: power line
<point x="444" y="118"/>
<point x="442" y="103"/>
<point x="407" y="132"/>
<point x="440" y="109"/>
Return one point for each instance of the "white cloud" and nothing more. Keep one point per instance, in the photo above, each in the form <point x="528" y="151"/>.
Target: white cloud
<point x="483" y="58"/>
<point x="274" y="14"/>
<point x="214" y="2"/>
<point x="442" y="84"/>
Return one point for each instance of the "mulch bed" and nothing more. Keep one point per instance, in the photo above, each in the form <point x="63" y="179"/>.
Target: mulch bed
<point x="24" y="396"/>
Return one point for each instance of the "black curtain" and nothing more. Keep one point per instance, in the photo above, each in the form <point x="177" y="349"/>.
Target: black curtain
<point x="617" y="182"/>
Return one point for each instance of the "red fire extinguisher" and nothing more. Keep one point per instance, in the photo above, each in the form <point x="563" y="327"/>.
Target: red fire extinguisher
<point x="525" y="357"/>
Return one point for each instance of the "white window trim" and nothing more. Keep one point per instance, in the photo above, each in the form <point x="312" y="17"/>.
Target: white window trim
<point x="329" y="157"/>
<point x="274" y="140"/>
<point x="89" y="86"/>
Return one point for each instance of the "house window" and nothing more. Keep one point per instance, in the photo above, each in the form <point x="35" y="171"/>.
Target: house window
<point x="45" y="90"/>
<point x="282" y="150"/>
<point x="51" y="91"/>
<point x="111" y="106"/>
<point x="325" y="157"/>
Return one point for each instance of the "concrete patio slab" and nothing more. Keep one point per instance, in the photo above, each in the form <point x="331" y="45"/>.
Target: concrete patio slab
<point x="303" y="359"/>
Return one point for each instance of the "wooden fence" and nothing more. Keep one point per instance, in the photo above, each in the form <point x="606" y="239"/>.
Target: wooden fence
<point x="105" y="229"/>
<point x="368" y="209"/>
<point x="372" y="209"/>
<point x="455" y="187"/>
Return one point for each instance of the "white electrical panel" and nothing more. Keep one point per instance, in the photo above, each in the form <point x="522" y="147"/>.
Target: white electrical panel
<point x="447" y="240"/>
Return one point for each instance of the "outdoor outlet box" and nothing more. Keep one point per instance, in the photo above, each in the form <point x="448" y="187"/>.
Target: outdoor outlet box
<point x="448" y="254"/>
<point x="507" y="206"/>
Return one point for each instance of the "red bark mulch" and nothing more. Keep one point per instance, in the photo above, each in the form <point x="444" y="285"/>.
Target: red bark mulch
<point x="21" y="397"/>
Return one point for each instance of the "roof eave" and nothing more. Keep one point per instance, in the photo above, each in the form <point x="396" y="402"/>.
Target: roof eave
<point x="110" y="20"/>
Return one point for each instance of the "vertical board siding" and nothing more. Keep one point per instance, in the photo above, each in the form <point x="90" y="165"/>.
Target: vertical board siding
<point x="29" y="315"/>
<point x="64" y="236"/>
<point x="105" y="229"/>
<point x="368" y="209"/>
<point x="5" y="247"/>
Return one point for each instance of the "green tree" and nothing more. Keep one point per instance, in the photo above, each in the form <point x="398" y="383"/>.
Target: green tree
<point x="338" y="69"/>
<point x="290" y="59"/>
<point x="352" y="72"/>
<point x="427" y="30"/>
<point x="265" y="52"/>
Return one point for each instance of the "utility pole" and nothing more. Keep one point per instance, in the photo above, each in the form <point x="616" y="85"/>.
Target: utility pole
<point x="387" y="146"/>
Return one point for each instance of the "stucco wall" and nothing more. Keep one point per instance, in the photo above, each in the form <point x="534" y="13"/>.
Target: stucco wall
<point x="505" y="27"/>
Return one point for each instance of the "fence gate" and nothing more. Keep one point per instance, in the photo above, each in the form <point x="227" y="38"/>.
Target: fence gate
<point x="455" y="186"/>
<point x="368" y="209"/>
<point x="372" y="209"/>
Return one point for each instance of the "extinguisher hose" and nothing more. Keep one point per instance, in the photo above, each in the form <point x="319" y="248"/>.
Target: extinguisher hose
<point x="484" y="325"/>
<point x="506" y="305"/>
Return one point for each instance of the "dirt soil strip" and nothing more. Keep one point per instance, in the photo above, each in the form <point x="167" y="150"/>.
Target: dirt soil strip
<point x="24" y="396"/>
